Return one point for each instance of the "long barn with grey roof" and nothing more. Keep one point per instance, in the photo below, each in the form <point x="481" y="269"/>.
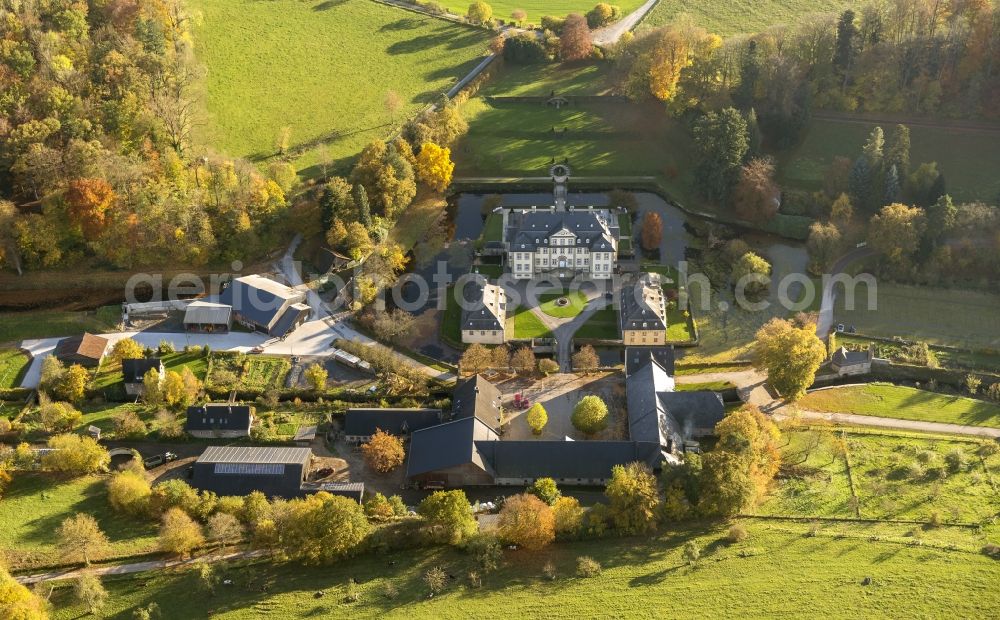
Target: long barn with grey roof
<point x="563" y="243"/>
<point x="239" y="470"/>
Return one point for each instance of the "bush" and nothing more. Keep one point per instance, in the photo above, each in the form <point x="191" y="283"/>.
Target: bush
<point x="992" y="551"/>
<point x="587" y="566"/>
<point x="436" y="579"/>
<point x="956" y="460"/>
<point x="129" y="492"/>
<point x="555" y="24"/>
<point x="547" y="366"/>
<point x="737" y="533"/>
<point x="524" y="49"/>
<point x="549" y="571"/>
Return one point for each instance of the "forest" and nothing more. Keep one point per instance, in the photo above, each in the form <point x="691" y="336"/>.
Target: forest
<point x="97" y="162"/>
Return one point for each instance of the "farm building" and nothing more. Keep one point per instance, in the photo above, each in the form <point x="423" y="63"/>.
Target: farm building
<point x="567" y="462"/>
<point x="477" y="397"/>
<point x="205" y="316"/>
<point x="219" y="420"/>
<point x="134" y="373"/>
<point x="658" y="414"/>
<point x="87" y="350"/>
<point x="636" y="358"/>
<point x="360" y="424"/>
<point x="265" y="306"/>
<point x="447" y="455"/>
<point x="239" y="470"/>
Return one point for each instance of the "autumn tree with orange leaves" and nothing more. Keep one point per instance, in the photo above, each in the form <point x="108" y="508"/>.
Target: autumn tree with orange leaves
<point x="89" y="201"/>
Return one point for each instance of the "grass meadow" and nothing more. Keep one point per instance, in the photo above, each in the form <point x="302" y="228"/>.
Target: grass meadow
<point x="905" y="403"/>
<point x="321" y="68"/>
<point x="34" y="505"/>
<point x="17" y="326"/>
<point x="781" y="570"/>
<point x="576" y="302"/>
<point x="967" y="158"/>
<point x="738" y="16"/>
<point x="933" y="315"/>
<point x="893" y="476"/>
<point x="602" y="324"/>
<point x="13" y="364"/>
<point x="537" y="9"/>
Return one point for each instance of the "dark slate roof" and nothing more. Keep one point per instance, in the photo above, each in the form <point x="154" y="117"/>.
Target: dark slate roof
<point x="363" y="422"/>
<point x="353" y="490"/>
<point x="257" y="298"/>
<point x="637" y="357"/>
<point x="477" y="397"/>
<point x="529" y="229"/>
<point x="565" y="459"/>
<point x="693" y="410"/>
<point x="134" y="371"/>
<point x="481" y="316"/>
<point x="247" y="454"/>
<point x="327" y="260"/>
<point x="289" y="318"/>
<point x="221" y="416"/>
<point x="643" y="305"/>
<point x="448" y="445"/>
<point x="843" y="357"/>
<point x="647" y="419"/>
<point x="87" y="345"/>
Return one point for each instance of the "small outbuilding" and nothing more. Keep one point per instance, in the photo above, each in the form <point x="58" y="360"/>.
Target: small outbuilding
<point x="208" y="317"/>
<point x="219" y="420"/>
<point x="87" y="350"/>
<point x="134" y="373"/>
<point x="240" y="470"/>
<point x="847" y="363"/>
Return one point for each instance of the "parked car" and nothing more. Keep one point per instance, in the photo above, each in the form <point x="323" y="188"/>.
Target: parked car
<point x="159" y="459"/>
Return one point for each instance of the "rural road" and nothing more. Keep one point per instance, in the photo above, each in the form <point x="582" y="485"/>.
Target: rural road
<point x="611" y="33"/>
<point x="750" y="386"/>
<point x="138" y="567"/>
<point x="825" y="322"/>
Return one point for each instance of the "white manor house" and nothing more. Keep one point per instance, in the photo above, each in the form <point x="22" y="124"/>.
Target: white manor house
<point x="563" y="242"/>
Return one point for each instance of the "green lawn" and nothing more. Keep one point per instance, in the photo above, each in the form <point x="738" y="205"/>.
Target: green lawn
<point x="17" y="326"/>
<point x="679" y="327"/>
<point x="13" y="363"/>
<point x="493" y="227"/>
<point x="110" y="374"/>
<point x="536" y="9"/>
<point x="451" y="320"/>
<point x="548" y="304"/>
<point x="321" y="68"/>
<point x="713" y="386"/>
<point x="602" y="324"/>
<point x="738" y="16"/>
<point x="541" y="80"/>
<point x="598" y="139"/>
<point x="934" y="315"/>
<point x="968" y="159"/>
<point x="905" y="403"/>
<point x="527" y="325"/>
<point x="34" y="505"/>
<point x="779" y="571"/>
<point x="814" y="480"/>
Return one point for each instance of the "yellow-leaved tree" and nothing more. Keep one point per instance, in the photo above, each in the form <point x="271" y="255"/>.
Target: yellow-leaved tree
<point x="434" y="166"/>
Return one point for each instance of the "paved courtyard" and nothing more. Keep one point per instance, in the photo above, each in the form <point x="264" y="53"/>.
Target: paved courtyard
<point x="559" y="393"/>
